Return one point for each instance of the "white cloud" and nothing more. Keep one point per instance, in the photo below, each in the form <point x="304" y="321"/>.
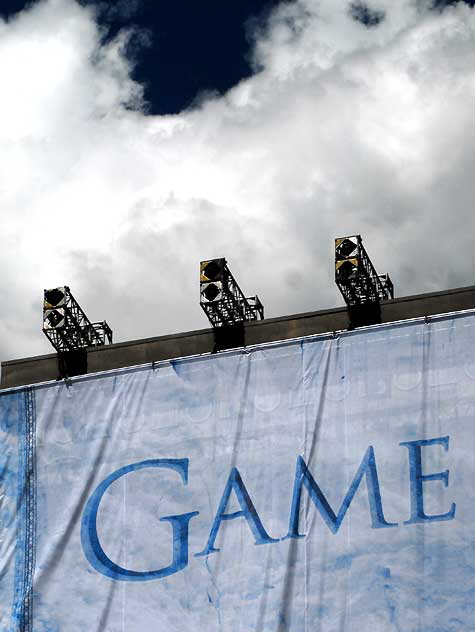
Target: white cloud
<point x="342" y="129"/>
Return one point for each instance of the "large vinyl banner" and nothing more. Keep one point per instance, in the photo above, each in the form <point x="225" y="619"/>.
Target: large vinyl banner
<point x="323" y="484"/>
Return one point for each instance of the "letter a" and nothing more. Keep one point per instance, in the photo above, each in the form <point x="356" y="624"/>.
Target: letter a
<point x="248" y="511"/>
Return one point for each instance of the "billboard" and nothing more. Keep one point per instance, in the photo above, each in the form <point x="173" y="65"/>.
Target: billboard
<point x="321" y="484"/>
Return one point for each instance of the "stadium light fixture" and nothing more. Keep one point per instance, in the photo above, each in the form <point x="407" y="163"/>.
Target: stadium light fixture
<point x="357" y="278"/>
<point x="221" y="297"/>
<point x="66" y="325"/>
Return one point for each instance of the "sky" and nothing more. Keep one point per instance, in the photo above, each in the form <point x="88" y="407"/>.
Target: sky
<point x="137" y="140"/>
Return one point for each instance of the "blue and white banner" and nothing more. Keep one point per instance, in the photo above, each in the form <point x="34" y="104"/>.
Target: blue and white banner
<point x="324" y="484"/>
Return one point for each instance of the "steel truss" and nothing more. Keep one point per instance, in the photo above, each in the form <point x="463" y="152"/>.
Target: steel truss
<point x="356" y="276"/>
<point x="221" y="297"/>
<point x="66" y="325"/>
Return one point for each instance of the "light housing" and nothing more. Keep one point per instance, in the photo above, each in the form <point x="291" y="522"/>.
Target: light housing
<point x="221" y="297"/>
<point x="356" y="276"/>
<point x="66" y="325"/>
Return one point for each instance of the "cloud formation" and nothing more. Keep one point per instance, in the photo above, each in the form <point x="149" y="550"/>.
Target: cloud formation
<point x="344" y="128"/>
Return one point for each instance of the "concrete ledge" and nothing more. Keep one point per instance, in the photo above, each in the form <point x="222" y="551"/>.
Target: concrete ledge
<point x="43" y="368"/>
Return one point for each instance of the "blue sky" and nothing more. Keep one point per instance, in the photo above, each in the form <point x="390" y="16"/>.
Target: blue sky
<point x="185" y="49"/>
<point x="137" y="139"/>
<point x="181" y="48"/>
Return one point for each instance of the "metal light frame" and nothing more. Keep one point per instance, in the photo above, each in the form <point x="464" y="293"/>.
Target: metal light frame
<point x="356" y="276"/>
<point x="66" y="325"/>
<point x="221" y="297"/>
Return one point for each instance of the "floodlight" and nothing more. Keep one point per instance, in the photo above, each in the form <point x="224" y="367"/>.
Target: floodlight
<point x="66" y="325"/>
<point x="356" y="277"/>
<point x="221" y="297"/>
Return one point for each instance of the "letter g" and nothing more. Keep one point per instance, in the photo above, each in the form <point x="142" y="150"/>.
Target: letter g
<point x="90" y="541"/>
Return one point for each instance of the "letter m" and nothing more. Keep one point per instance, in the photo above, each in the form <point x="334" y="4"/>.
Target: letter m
<point x="303" y="478"/>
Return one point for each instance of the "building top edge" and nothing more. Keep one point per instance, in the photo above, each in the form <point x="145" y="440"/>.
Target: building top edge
<point x="248" y="349"/>
<point x="259" y="323"/>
